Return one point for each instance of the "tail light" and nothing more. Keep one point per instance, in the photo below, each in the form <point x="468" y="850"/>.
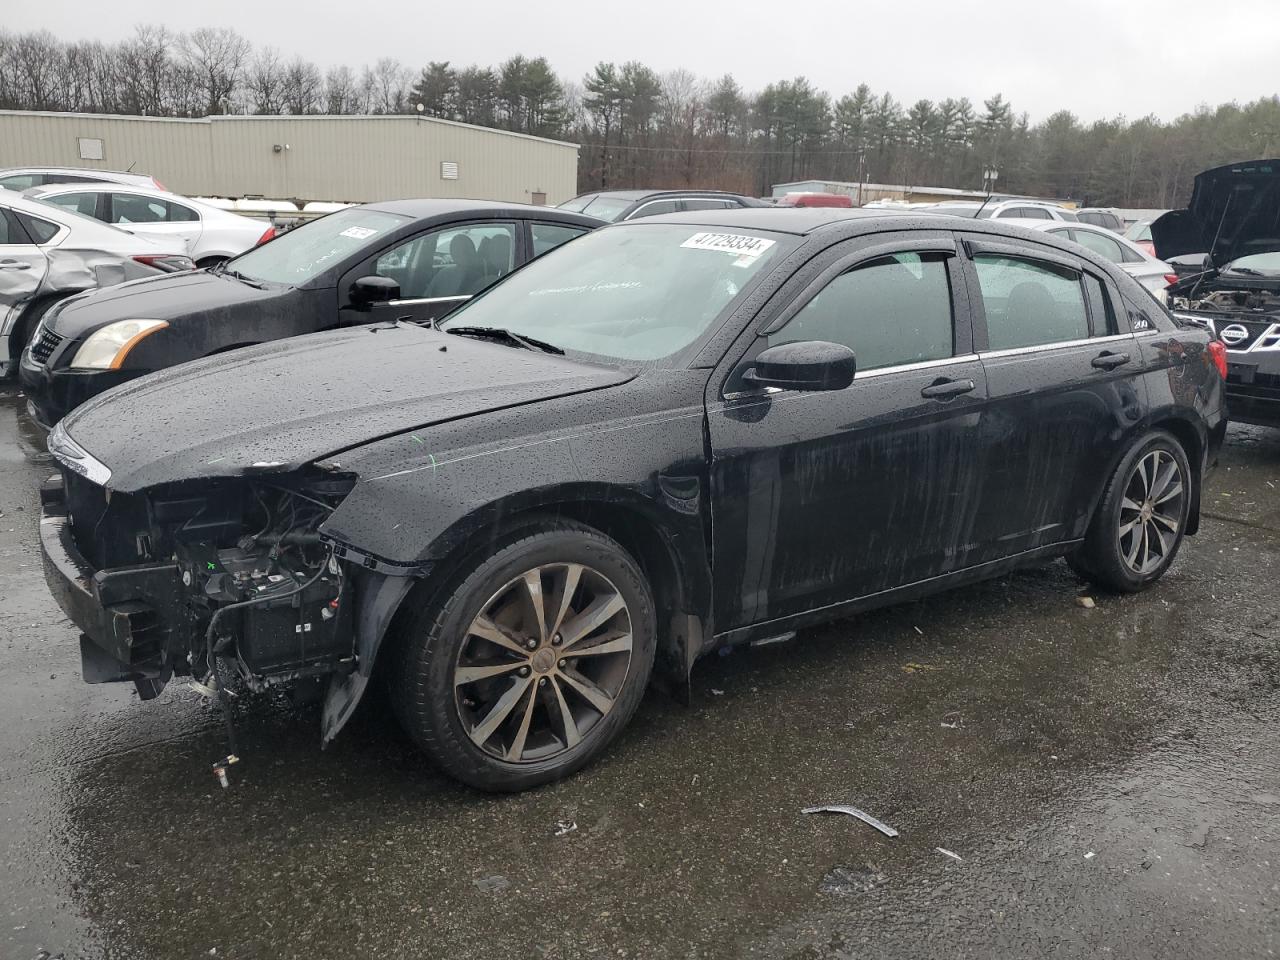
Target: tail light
<point x="1170" y="279"/>
<point x="1218" y="355"/>
<point x="168" y="262"/>
<point x="159" y="185"/>
<point x="269" y="234"/>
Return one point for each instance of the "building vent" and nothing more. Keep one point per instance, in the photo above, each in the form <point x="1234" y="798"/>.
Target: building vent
<point x="538" y="198"/>
<point x="91" y="148"/>
<point x="448" y="170"/>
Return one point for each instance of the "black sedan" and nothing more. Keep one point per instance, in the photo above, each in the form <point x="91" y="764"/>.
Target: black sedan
<point x="401" y="260"/>
<point x="669" y="436"/>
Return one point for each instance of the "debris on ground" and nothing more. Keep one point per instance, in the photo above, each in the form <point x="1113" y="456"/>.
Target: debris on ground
<point x="1086" y="602"/>
<point x="918" y="630"/>
<point x="947" y="853"/>
<point x="494" y="884"/>
<point x="952" y="720"/>
<point x="919" y="667"/>
<point x="717" y="693"/>
<point x="1199" y="836"/>
<point x="565" y="827"/>
<point x="866" y="818"/>
<point x="846" y="881"/>
<point x="1090" y="855"/>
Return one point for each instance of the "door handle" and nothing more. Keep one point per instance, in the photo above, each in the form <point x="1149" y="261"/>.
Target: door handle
<point x="946" y="389"/>
<point x="14" y="265"/>
<point x="1109" y="361"/>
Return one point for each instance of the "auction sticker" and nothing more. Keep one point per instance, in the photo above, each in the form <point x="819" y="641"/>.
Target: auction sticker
<point x="358" y="233"/>
<point x="734" y="244"/>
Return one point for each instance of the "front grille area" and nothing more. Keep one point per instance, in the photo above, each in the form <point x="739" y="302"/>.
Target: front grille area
<point x="43" y="348"/>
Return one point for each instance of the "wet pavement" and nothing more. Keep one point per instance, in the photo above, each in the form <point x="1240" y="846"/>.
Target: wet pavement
<point x="1108" y="777"/>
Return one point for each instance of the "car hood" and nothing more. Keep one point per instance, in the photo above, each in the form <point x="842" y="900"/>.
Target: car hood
<point x="1238" y="206"/>
<point x="164" y="297"/>
<point x="281" y="405"/>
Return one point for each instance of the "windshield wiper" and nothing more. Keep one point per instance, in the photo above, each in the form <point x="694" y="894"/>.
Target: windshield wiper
<point x="1247" y="271"/>
<point x="501" y="333"/>
<point x="243" y="279"/>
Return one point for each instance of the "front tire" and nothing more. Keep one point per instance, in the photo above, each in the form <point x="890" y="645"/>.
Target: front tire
<point x="532" y="663"/>
<point x="1139" y="525"/>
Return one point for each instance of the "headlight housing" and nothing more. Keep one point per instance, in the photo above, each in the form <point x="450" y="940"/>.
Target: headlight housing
<point x="106" y="349"/>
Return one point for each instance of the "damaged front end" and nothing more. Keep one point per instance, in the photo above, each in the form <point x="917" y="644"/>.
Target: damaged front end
<point x="175" y="579"/>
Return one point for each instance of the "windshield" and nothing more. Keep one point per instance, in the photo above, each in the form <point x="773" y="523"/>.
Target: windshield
<point x="577" y="203"/>
<point x="295" y="257"/>
<point x="640" y="292"/>
<point x="607" y="208"/>
<point x="954" y="211"/>
<point x="1256" y="262"/>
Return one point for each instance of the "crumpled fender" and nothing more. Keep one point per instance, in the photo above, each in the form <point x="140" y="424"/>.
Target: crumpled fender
<point x="377" y="598"/>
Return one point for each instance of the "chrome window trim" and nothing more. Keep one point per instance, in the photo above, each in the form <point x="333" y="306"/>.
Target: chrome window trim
<point x="918" y="365"/>
<point x="864" y="375"/>
<point x="1059" y="345"/>
<point x="413" y="300"/>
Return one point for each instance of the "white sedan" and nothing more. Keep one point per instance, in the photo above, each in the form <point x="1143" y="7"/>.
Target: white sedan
<point x="1153" y="274"/>
<point x="210" y="235"/>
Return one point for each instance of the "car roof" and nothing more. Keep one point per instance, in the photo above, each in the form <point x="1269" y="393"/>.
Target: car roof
<point x="85" y="170"/>
<point x="647" y="194"/>
<point x="799" y="221"/>
<point x="421" y="208"/>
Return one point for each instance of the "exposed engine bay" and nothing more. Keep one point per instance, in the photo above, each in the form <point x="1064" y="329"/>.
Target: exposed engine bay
<point x="1232" y="300"/>
<point x="232" y="570"/>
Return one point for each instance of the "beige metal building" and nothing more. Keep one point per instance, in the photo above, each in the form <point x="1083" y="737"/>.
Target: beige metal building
<point x="352" y="159"/>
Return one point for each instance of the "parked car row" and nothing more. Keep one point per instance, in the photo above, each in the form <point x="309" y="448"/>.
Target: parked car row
<point x="522" y="474"/>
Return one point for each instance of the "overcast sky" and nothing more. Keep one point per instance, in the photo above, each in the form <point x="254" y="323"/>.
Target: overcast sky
<point x="1098" y="58"/>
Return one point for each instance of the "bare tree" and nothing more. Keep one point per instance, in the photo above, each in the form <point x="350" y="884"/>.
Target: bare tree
<point x="341" y="93"/>
<point x="302" y="87"/>
<point x="38" y="61"/>
<point x="217" y="57"/>
<point x="266" y="82"/>
<point x="146" y="73"/>
<point x="387" y="84"/>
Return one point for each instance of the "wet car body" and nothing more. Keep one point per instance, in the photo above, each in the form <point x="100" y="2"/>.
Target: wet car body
<point x="199" y="313"/>
<point x="1231" y="228"/>
<point x="752" y="510"/>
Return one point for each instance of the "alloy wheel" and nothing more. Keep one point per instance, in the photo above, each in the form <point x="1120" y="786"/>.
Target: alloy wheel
<point x="1151" y="512"/>
<point x="543" y="662"/>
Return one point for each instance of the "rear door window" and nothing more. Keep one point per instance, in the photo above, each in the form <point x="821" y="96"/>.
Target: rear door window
<point x="22" y="181"/>
<point x="127" y="208"/>
<point x="892" y="311"/>
<point x="1100" y="244"/>
<point x="85" y="204"/>
<point x="1030" y="303"/>
<point x="548" y="236"/>
<point x="654" y="208"/>
<point x="707" y="203"/>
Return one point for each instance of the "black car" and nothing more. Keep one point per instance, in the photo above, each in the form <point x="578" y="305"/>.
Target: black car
<point x="618" y="205"/>
<point x="1226" y="248"/>
<point x="404" y="259"/>
<point x="666" y="437"/>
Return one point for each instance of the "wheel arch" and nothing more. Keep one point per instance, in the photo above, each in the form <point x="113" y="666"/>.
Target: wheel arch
<point x="1193" y="444"/>
<point x="670" y="552"/>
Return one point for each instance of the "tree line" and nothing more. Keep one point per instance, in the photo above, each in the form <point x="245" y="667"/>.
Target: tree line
<point x="639" y="127"/>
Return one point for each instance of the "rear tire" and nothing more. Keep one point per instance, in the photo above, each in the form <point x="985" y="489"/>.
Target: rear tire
<point x="506" y="680"/>
<point x="1139" y="524"/>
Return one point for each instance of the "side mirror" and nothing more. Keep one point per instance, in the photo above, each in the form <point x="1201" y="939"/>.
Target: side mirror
<point x="805" y="365"/>
<point x="370" y="290"/>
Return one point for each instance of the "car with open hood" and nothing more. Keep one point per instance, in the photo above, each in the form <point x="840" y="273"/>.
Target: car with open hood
<point x="669" y="436"/>
<point x="1231" y="231"/>
<point x="402" y="259"/>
